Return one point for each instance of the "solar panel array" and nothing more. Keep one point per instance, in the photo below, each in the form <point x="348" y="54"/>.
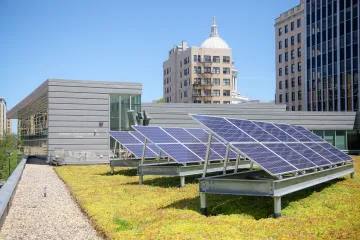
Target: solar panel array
<point x="185" y="145"/>
<point x="277" y="148"/>
<point x="134" y="143"/>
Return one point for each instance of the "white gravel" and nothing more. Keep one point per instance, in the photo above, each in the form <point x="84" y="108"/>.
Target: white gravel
<point x="56" y="216"/>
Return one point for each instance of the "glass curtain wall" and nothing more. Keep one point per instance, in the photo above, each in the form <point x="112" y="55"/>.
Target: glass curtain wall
<point x="120" y="104"/>
<point x="344" y="140"/>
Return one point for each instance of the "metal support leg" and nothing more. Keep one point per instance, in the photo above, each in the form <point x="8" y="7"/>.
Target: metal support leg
<point x="352" y="175"/>
<point x="112" y="170"/>
<point x="203" y="204"/>
<point x="182" y="181"/>
<point x="277" y="207"/>
<point x="141" y="179"/>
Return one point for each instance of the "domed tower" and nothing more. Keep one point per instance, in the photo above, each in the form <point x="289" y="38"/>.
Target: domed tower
<point x="201" y="74"/>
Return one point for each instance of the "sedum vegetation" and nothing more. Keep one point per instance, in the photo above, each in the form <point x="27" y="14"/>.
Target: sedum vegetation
<point x="9" y="144"/>
<point x="120" y="208"/>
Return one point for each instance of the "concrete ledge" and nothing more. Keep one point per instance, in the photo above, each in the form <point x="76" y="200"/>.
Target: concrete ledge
<point x="8" y="190"/>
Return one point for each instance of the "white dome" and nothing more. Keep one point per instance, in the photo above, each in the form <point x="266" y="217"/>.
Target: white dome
<point x="214" y="41"/>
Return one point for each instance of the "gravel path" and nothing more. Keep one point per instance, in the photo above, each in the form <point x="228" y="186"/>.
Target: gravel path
<point x="33" y="216"/>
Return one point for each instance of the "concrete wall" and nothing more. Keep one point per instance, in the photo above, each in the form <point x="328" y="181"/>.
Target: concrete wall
<point x="177" y="115"/>
<point x="79" y="118"/>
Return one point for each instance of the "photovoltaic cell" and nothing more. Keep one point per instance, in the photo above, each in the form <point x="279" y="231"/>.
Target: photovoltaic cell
<point x="309" y="154"/>
<point x="265" y="158"/>
<point x="308" y="134"/>
<point x="295" y="134"/>
<point x="281" y="135"/>
<point x="200" y="150"/>
<point x="123" y="137"/>
<point x="181" y="135"/>
<point x="221" y="150"/>
<point x="179" y="153"/>
<point x="137" y="150"/>
<point x="224" y="129"/>
<point x="138" y="136"/>
<point x="290" y="155"/>
<point x="253" y="130"/>
<point x="323" y="152"/>
<point x="201" y="134"/>
<point x="335" y="151"/>
<point x="155" y="134"/>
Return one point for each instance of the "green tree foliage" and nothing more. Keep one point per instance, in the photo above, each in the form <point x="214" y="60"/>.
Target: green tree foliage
<point x="161" y="100"/>
<point x="9" y="144"/>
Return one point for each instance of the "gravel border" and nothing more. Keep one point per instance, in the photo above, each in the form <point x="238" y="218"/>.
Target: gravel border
<point x="56" y="216"/>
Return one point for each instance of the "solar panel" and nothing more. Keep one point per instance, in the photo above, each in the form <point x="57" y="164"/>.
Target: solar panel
<point x="155" y="134"/>
<point x="138" y="136"/>
<point x="200" y="150"/>
<point x="179" y="153"/>
<point x="308" y="134"/>
<point x="335" y="151"/>
<point x="253" y="130"/>
<point x="281" y="135"/>
<point x="293" y="132"/>
<point x="224" y="129"/>
<point x="181" y="135"/>
<point x="201" y="134"/>
<point x="265" y="158"/>
<point x="309" y="154"/>
<point x="137" y="150"/>
<point x="221" y="150"/>
<point x="324" y="153"/>
<point x="277" y="148"/>
<point x="290" y="155"/>
<point x="124" y="137"/>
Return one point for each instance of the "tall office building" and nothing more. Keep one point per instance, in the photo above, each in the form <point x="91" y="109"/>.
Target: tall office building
<point x="3" y="123"/>
<point x="200" y="74"/>
<point x="289" y="58"/>
<point x="332" y="50"/>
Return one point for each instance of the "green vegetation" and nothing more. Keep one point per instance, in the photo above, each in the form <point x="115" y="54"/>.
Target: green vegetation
<point x="120" y="208"/>
<point x="9" y="144"/>
<point x="160" y="100"/>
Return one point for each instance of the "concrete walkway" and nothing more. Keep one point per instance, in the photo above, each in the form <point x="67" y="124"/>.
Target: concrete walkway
<point x="33" y="216"/>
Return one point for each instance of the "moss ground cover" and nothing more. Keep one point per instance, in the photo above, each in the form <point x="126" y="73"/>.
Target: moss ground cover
<point x="122" y="209"/>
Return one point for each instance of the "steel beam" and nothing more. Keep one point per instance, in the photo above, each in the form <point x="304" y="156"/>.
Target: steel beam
<point x="203" y="204"/>
<point x="182" y="181"/>
<point x="277" y="207"/>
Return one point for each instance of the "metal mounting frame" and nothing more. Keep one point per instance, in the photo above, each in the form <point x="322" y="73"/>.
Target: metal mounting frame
<point x="260" y="183"/>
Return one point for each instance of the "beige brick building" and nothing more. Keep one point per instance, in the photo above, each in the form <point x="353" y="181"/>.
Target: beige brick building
<point x="204" y="74"/>
<point x="9" y="126"/>
<point x="3" y="122"/>
<point x="289" y="58"/>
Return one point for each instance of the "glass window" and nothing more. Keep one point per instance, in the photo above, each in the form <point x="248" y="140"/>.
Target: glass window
<point x="286" y="28"/>
<point x="299" y="52"/>
<point x="226" y="59"/>
<point x="287" y="97"/>
<point x="119" y="106"/>
<point x="299" y="38"/>
<point x="330" y="136"/>
<point x="226" y="70"/>
<point x="216" y="92"/>
<point x="292" y="54"/>
<point x="286" y="42"/>
<point x="226" y="102"/>
<point x="216" y="81"/>
<point x="299" y="22"/>
<point x="216" y="102"/>
<point x="185" y="94"/>
<point x="292" y="26"/>
<point x="207" y="58"/>
<point x="280" y="98"/>
<point x="299" y="81"/>
<point x="299" y="95"/>
<point x="292" y="40"/>
<point x="286" y="84"/>
<point x="280" y="58"/>
<point x="299" y="66"/>
<point x="280" y="71"/>
<point x="216" y="70"/>
<point x="353" y="140"/>
<point x="226" y="93"/>
<point x="286" y="70"/>
<point x="340" y="140"/>
<point x="280" y="85"/>
<point x="226" y="81"/>
<point x="300" y="108"/>
<point x="286" y="56"/>
<point x="319" y="133"/>
<point x="280" y="44"/>
<point x="280" y="31"/>
<point x="216" y="59"/>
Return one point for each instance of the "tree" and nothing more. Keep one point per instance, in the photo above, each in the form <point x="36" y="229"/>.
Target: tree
<point x="9" y="143"/>
<point x="161" y="100"/>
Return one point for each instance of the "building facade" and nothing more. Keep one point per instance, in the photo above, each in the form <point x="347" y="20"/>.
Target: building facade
<point x="289" y="58"/>
<point x="200" y="74"/>
<point x="9" y="126"/>
<point x="332" y="50"/>
<point x="73" y="116"/>
<point x="3" y="123"/>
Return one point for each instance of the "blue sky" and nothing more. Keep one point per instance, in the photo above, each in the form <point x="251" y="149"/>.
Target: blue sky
<point x="129" y="40"/>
